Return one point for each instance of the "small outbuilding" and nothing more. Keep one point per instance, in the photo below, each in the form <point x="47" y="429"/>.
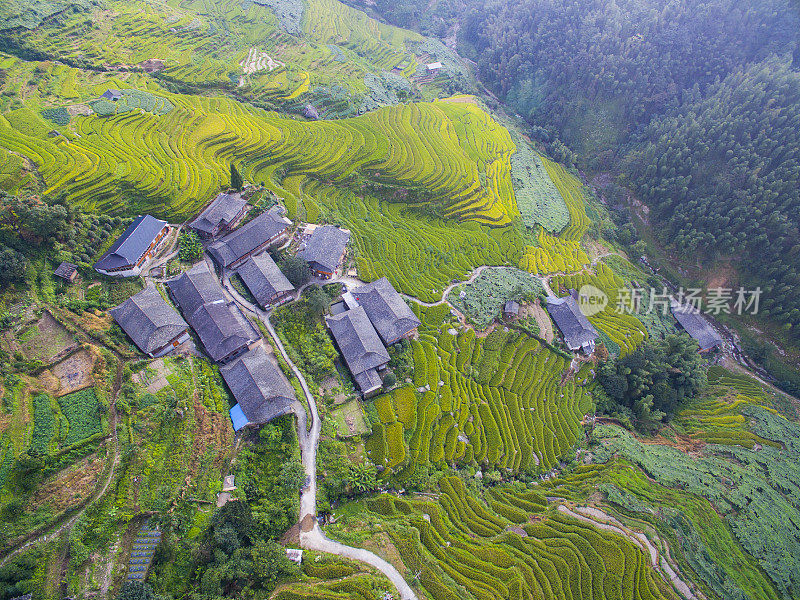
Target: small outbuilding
<point x="433" y="67"/>
<point x="66" y="271"/>
<point x="309" y="112"/>
<point x="511" y="310"/>
<point x="112" y="95"/>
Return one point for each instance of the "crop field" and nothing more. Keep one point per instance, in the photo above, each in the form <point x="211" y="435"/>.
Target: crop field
<point x="699" y="538"/>
<point x="538" y="198"/>
<point x="746" y="487"/>
<point x="413" y="149"/>
<point x="485" y="297"/>
<point x="623" y="331"/>
<point x="418" y="253"/>
<point x="496" y="401"/>
<point x="508" y="545"/>
<point x="205" y="41"/>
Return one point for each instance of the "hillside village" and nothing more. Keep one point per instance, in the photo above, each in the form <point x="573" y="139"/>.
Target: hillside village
<point x="343" y="300"/>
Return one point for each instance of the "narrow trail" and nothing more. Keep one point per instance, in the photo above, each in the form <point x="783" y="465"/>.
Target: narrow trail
<point x="311" y="535"/>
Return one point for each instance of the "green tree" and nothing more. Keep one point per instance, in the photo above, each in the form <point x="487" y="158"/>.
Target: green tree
<point x="136" y="590"/>
<point x="318" y="301"/>
<point x="190" y="247"/>
<point x="296" y="270"/>
<point x="362" y="477"/>
<point x="269" y="563"/>
<point x="236" y="178"/>
<point x="292" y="477"/>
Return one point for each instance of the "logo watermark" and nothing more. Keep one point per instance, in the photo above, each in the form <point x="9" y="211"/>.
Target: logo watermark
<point x="715" y="301"/>
<point x="592" y="300"/>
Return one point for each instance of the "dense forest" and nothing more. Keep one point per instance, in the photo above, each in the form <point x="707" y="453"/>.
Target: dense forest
<point x="722" y="174"/>
<point x="595" y="72"/>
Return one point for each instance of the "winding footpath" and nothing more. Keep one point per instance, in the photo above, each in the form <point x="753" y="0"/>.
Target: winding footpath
<point x="311" y="535"/>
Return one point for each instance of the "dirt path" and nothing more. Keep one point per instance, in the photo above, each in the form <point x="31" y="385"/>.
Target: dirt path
<point x="601" y="520"/>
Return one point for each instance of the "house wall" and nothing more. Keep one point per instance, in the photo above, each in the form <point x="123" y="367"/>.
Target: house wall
<point x="174" y="343"/>
<point x="135" y="269"/>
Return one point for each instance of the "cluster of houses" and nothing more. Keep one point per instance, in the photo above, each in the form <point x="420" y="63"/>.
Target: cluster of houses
<point x="228" y="337"/>
<point x="367" y="321"/>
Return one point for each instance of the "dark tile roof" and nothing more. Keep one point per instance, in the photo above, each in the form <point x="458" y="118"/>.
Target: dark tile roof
<point x="65" y="270"/>
<point x="386" y="309"/>
<point x="148" y="320"/>
<point x="696" y="326"/>
<point x="132" y="244"/>
<point x="576" y="328"/>
<point x="195" y="287"/>
<point x="248" y="237"/>
<point x="222" y="328"/>
<point x="259" y="386"/>
<point x="221" y="212"/>
<point x="325" y="247"/>
<point x="358" y="341"/>
<point x="112" y="95"/>
<point x="219" y="323"/>
<point x="263" y="278"/>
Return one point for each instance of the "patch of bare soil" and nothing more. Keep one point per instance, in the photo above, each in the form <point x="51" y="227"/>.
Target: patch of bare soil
<point x="533" y="309"/>
<point x="50" y="340"/>
<point x="75" y="372"/>
<point x="69" y="487"/>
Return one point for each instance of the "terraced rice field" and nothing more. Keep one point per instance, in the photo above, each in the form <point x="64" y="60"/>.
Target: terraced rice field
<point x="496" y="401"/>
<point x="419" y="254"/>
<point x="174" y="162"/>
<point x="508" y="545"/>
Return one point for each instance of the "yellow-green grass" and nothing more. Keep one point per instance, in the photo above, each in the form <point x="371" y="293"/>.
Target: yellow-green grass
<point x="497" y="401"/>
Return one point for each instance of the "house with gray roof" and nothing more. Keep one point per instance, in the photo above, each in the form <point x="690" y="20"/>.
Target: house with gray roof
<point x="266" y="229"/>
<point x="219" y="217"/>
<point x="195" y="287"/>
<point x="392" y="318"/>
<point x="67" y="271"/>
<point x="154" y="326"/>
<point x="260" y="388"/>
<point x="111" y="94"/>
<point x="221" y="326"/>
<point x="265" y="280"/>
<point x="696" y="326"/>
<point x="578" y="333"/>
<point x="362" y="349"/>
<point x="325" y="250"/>
<point x="511" y="309"/>
<point x="137" y="243"/>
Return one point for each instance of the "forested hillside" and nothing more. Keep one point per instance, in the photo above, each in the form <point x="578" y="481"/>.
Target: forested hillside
<point x="594" y="71"/>
<point x="722" y="173"/>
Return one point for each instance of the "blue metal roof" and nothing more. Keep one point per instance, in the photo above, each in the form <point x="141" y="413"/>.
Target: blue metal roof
<point x="238" y="418"/>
